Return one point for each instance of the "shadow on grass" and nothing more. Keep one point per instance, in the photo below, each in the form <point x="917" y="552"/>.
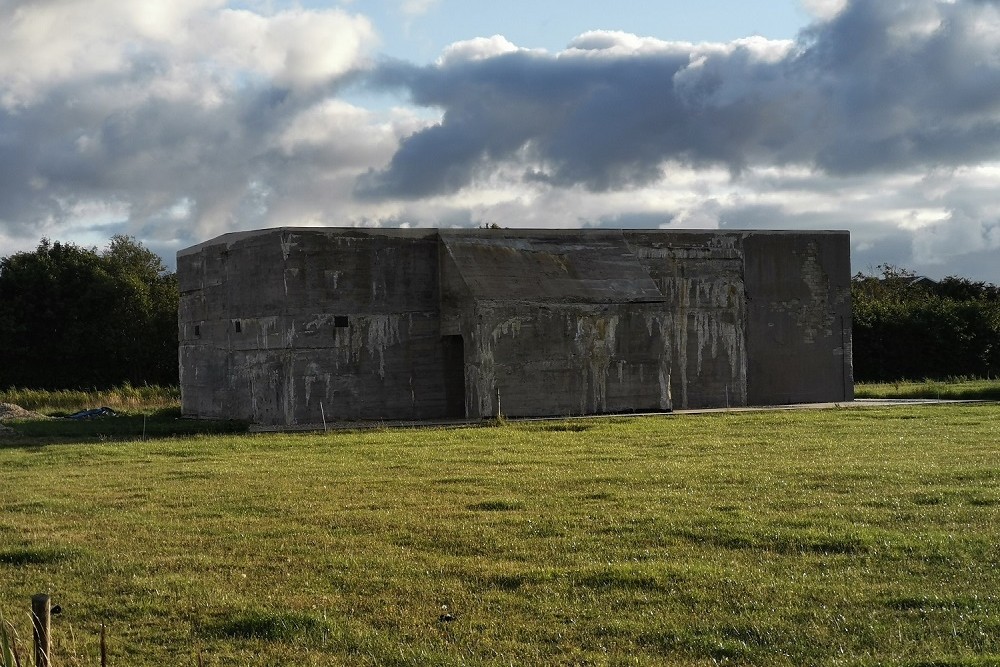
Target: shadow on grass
<point x="32" y="556"/>
<point x="726" y="645"/>
<point x="164" y="423"/>
<point x="268" y="625"/>
<point x="609" y="579"/>
<point x="494" y="506"/>
<point x="567" y="427"/>
<point x="780" y="542"/>
<point x="924" y="604"/>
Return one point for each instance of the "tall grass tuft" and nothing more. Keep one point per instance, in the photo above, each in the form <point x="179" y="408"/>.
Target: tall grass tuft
<point x="9" y="656"/>
<point x="968" y="389"/>
<point x="127" y="398"/>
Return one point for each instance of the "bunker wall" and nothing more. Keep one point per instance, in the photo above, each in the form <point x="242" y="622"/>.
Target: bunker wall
<point x="287" y="326"/>
<point x="277" y="324"/>
<point x="798" y="291"/>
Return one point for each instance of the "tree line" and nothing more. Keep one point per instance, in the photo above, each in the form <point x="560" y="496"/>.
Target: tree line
<point x="79" y="318"/>
<point x="909" y="327"/>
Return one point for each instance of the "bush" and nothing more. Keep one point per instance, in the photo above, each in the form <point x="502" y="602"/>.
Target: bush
<point x="76" y="318"/>
<point x="911" y="327"/>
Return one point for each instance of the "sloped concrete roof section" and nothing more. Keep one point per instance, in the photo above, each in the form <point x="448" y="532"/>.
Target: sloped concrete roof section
<point x="549" y="265"/>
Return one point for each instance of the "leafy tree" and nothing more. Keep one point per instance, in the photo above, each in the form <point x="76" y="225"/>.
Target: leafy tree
<point x="906" y="326"/>
<point x="73" y="317"/>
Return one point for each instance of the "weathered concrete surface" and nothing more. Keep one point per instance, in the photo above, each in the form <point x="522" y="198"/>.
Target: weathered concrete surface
<point x="287" y="326"/>
<point x="604" y="321"/>
<point x="798" y="290"/>
<point x="291" y="320"/>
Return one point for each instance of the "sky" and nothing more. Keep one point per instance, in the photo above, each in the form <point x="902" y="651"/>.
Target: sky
<point x="175" y="121"/>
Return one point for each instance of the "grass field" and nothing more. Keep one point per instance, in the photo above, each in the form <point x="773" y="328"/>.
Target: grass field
<point x="838" y="537"/>
<point x="972" y="389"/>
<point x="125" y="398"/>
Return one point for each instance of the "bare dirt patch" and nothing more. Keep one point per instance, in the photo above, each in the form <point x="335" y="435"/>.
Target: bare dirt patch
<point x="11" y="412"/>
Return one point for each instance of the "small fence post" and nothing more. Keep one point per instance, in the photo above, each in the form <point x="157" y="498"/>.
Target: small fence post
<point x="41" y="622"/>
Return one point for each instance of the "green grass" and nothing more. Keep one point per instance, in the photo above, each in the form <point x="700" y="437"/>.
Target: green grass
<point x="838" y="537"/>
<point x="135" y="426"/>
<point x="142" y="413"/>
<point x="954" y="389"/>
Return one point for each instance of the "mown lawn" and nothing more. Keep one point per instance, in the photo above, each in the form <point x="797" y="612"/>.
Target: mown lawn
<point x="838" y="537"/>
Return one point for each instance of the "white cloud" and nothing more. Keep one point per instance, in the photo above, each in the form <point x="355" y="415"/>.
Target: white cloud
<point x="127" y="108"/>
<point x="337" y="136"/>
<point x="824" y="9"/>
<point x="48" y="43"/>
<point x="417" y="7"/>
<point x="177" y="121"/>
<point x="480" y="48"/>
<point x="295" y="48"/>
<point x="961" y="233"/>
<point x="617" y="43"/>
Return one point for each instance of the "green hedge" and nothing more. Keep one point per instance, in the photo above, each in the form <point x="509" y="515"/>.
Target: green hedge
<point x="911" y="327"/>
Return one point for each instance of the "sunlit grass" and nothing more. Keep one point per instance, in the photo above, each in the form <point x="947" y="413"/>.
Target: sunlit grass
<point x="850" y="536"/>
<point x="127" y="398"/>
<point x="959" y="389"/>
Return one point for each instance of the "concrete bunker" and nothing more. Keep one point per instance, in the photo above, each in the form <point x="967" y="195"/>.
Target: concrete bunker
<point x="284" y="326"/>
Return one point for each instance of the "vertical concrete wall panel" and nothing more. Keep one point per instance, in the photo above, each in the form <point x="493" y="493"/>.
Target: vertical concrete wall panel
<point x="591" y="359"/>
<point x="799" y="318"/>
<point x="701" y="276"/>
<point x="299" y="319"/>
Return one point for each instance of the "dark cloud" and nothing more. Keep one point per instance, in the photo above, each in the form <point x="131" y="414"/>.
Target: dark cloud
<point x="112" y="147"/>
<point x="883" y="119"/>
<point x="585" y="118"/>
<point x="880" y="87"/>
<point x="176" y="128"/>
<point x="151" y="153"/>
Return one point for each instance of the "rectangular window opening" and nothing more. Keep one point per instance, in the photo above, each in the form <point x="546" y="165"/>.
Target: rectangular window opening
<point x="197" y="330"/>
<point x="239" y="326"/>
<point x="340" y="321"/>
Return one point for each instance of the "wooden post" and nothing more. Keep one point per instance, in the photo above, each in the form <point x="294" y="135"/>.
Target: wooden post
<point x="41" y="621"/>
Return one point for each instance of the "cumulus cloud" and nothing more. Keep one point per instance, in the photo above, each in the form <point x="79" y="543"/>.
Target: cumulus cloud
<point x="51" y="42"/>
<point x="479" y="48"/>
<point x="176" y="121"/>
<point x="417" y="7"/>
<point x="824" y="9"/>
<point x="294" y="48"/>
<point x="877" y="88"/>
<point x="157" y="115"/>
